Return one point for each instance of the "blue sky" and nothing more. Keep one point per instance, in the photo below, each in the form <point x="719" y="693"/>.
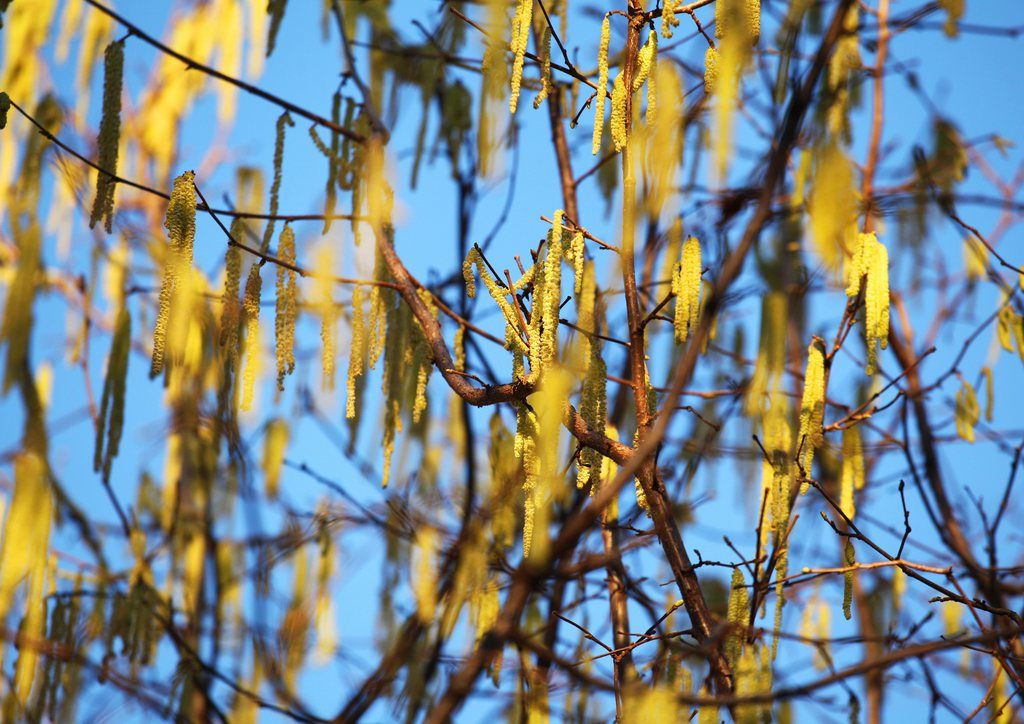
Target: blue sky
<point x="971" y="80"/>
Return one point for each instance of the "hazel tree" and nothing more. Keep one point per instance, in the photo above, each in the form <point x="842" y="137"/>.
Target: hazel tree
<point x="679" y="340"/>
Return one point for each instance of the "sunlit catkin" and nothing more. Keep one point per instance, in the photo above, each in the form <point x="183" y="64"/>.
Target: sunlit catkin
<point x="812" y="407"/>
<point x="181" y="232"/>
<point x="876" y="303"/>
<point x="109" y="136"/>
<point x="967" y="411"/>
<point x="285" y="307"/>
<point x="852" y="474"/>
<point x="849" y="560"/>
<point x="687" y="287"/>
<point x="275" y="187"/>
<point x="668" y="17"/>
<point x="324" y="294"/>
<point x="111" y="419"/>
<point x="230" y="306"/>
<point x="520" y="37"/>
<point x="251" y="312"/>
<point x="357" y="356"/>
<point x="545" y="67"/>
<point x="424" y="572"/>
<point x="710" y="70"/>
<point x="739" y="601"/>
<point x="275" y="443"/>
<point x="602" y="84"/>
<point x="618" y="122"/>
<point x="645" y="59"/>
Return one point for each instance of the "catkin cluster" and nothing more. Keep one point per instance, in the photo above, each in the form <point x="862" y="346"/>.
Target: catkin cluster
<point x="871" y="264"/>
<point x="180" y="223"/>
<point x="668" y="17"/>
<point x="109" y="136"/>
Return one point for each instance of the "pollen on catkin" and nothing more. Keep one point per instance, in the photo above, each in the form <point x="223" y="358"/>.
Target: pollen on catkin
<point x="686" y="286"/>
<point x="645" y="58"/>
<point x="251" y="310"/>
<point x="520" y="36"/>
<point x="668" y="17"/>
<point x="180" y="223"/>
<point x="876" y="301"/>
<point x="230" y="307"/>
<point x="545" y="67"/>
<point x="602" y="83"/>
<point x="710" y="70"/>
<point x="812" y="407"/>
<point x="357" y="356"/>
<point x="618" y="122"/>
<point x="109" y="136"/>
<point x="286" y="307"/>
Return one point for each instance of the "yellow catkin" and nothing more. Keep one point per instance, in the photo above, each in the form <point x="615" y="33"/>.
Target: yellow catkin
<point x="328" y="315"/>
<point x="275" y="443"/>
<point x="520" y="37"/>
<point x="602" y="84"/>
<point x="550" y="296"/>
<point x="832" y="203"/>
<point x="251" y="311"/>
<point x="109" y="136"/>
<point x="876" y="303"/>
<point x="668" y="17"/>
<point x="899" y="587"/>
<point x="180" y="223"/>
<point x="710" y="70"/>
<point x="812" y="407"/>
<point x="739" y="601"/>
<point x="27" y="529"/>
<point x="545" y="67"/>
<point x="687" y="287"/>
<point x="665" y="129"/>
<point x="645" y="59"/>
<point x="849" y="559"/>
<point x="618" y="122"/>
<point x="852" y="473"/>
<point x="424" y="572"/>
<point x="230" y="307"/>
<point x="967" y="411"/>
<point x="357" y="356"/>
<point x="286" y="306"/>
<point x="990" y="393"/>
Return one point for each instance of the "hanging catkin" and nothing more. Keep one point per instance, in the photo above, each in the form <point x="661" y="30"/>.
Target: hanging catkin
<point x="602" y="84"/>
<point x="181" y="231"/>
<point x="111" y="418"/>
<point x="851" y="477"/>
<point x="286" y="307"/>
<point x="275" y="187"/>
<point x="109" y="136"/>
<point x="686" y="286"/>
<point x="545" y="67"/>
<point x="357" y="355"/>
<point x="871" y="263"/>
<point x="251" y="310"/>
<point x="520" y="37"/>
<point x="812" y="408"/>
<point x="230" y="305"/>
